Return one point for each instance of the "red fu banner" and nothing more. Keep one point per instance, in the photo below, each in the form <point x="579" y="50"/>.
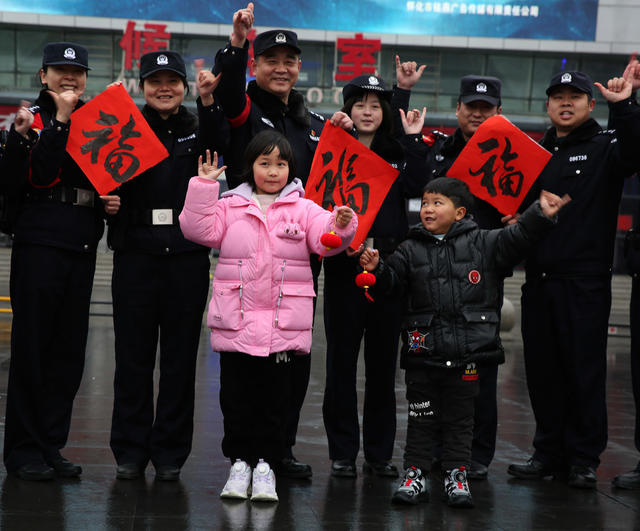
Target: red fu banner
<point x="500" y="163"/>
<point x="111" y="141"/>
<point x="345" y="172"/>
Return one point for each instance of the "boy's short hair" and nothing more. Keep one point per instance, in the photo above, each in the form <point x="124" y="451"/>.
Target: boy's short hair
<point x="453" y="188"/>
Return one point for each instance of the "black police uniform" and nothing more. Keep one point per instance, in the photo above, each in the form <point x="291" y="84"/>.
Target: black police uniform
<point x="442" y="153"/>
<point x="348" y="316"/>
<point x="52" y="264"/>
<point x="567" y="295"/>
<point x="160" y="285"/>
<point x="249" y="112"/>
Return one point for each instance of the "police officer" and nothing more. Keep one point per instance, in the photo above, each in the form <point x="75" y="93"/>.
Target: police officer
<point x="270" y="101"/>
<point x="160" y="279"/>
<point x="567" y="295"/>
<point x="631" y="479"/>
<point x="56" y="234"/>
<point x="479" y="99"/>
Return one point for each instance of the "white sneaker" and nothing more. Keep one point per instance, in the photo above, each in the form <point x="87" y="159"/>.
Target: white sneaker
<point x="264" y="483"/>
<point x="238" y="484"/>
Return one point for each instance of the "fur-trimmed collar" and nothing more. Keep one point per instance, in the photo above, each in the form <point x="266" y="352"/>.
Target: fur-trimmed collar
<point x="274" y="107"/>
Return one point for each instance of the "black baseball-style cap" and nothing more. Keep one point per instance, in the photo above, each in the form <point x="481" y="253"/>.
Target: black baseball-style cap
<point x="65" y="53"/>
<point x="153" y="62"/>
<point x="273" y="38"/>
<point x="480" y="88"/>
<point x="366" y="83"/>
<point x="577" y="80"/>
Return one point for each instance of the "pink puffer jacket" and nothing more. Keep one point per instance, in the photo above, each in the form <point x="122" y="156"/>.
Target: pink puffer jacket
<point x="262" y="294"/>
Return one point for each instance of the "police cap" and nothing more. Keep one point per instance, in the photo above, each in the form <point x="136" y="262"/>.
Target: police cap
<point x="273" y="38"/>
<point x="366" y="83"/>
<point x="153" y="62"/>
<point x="480" y="88"/>
<point x="65" y="53"/>
<point x="577" y="80"/>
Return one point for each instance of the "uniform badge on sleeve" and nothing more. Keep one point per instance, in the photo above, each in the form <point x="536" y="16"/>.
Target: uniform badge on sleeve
<point x="474" y="276"/>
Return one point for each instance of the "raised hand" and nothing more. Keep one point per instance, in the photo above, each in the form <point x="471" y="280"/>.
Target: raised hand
<point x="24" y="119"/>
<point x="111" y="203"/>
<point x="341" y="119"/>
<point x="208" y="169"/>
<point x="206" y="83"/>
<point x="632" y="71"/>
<point x="65" y="102"/>
<point x="413" y="121"/>
<point x="551" y="203"/>
<point x="369" y="259"/>
<point x="343" y="216"/>
<point x="618" y="89"/>
<point x="408" y="73"/>
<point x="242" y="24"/>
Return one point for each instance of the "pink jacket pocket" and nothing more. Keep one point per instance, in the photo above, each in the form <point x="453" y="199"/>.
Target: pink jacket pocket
<point x="226" y="311"/>
<point x="295" y="311"/>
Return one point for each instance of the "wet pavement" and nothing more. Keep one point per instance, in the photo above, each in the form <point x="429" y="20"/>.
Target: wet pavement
<point x="98" y="501"/>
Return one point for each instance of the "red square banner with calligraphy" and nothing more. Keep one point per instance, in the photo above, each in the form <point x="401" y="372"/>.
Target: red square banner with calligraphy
<point x="345" y="172"/>
<point x="111" y="141"/>
<point x="500" y="163"/>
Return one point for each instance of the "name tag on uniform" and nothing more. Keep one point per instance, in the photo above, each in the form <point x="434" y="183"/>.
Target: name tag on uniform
<point x="162" y="216"/>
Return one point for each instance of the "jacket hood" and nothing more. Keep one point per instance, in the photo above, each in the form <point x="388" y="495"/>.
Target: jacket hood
<point x="581" y="133"/>
<point x="183" y="122"/>
<point x="244" y="190"/>
<point x="275" y="108"/>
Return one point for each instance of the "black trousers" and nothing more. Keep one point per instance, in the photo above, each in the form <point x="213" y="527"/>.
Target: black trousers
<point x="564" y="332"/>
<point x="348" y="316"/>
<point x="634" y="319"/>
<point x="50" y="295"/>
<point x="254" y="398"/>
<point x="485" y="421"/>
<point x="156" y="298"/>
<point x="441" y="407"/>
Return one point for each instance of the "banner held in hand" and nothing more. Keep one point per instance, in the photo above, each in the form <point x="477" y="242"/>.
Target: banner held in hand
<point x="111" y="141"/>
<point x="345" y="172"/>
<point x="500" y="163"/>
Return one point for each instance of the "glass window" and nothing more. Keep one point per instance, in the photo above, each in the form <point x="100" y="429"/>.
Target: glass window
<point x="7" y="50"/>
<point x="30" y="44"/>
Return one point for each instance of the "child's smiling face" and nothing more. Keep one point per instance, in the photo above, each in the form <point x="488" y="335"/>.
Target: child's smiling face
<point x="438" y="213"/>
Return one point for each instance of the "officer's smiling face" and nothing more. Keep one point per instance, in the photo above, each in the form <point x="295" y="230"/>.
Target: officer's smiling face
<point x="60" y="78"/>
<point x="568" y="108"/>
<point x="164" y="92"/>
<point x="471" y="115"/>
<point x="277" y="71"/>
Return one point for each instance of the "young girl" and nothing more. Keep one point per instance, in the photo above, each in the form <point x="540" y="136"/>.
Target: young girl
<point x="261" y="309"/>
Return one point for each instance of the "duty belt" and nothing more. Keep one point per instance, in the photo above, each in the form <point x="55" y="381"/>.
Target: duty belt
<point x="65" y="194"/>
<point x="154" y="216"/>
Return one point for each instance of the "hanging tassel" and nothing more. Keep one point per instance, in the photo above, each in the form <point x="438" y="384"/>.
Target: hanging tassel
<point x="365" y="280"/>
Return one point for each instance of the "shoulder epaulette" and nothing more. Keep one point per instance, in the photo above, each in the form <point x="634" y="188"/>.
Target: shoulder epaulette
<point x="609" y="132"/>
<point x="434" y="135"/>
<point x="316" y="115"/>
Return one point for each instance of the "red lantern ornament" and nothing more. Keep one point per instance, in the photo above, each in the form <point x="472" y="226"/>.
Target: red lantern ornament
<point x="330" y="240"/>
<point x="365" y="280"/>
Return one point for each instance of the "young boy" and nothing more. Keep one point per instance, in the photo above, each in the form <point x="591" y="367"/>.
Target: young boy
<point x="450" y="271"/>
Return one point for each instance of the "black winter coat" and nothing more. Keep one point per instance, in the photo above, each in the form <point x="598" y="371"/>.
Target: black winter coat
<point x="590" y="165"/>
<point x="164" y="186"/>
<point x="51" y="173"/>
<point x="255" y="110"/>
<point x="453" y="288"/>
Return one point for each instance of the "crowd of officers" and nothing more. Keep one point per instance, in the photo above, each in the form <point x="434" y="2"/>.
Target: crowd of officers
<point x="160" y="280"/>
